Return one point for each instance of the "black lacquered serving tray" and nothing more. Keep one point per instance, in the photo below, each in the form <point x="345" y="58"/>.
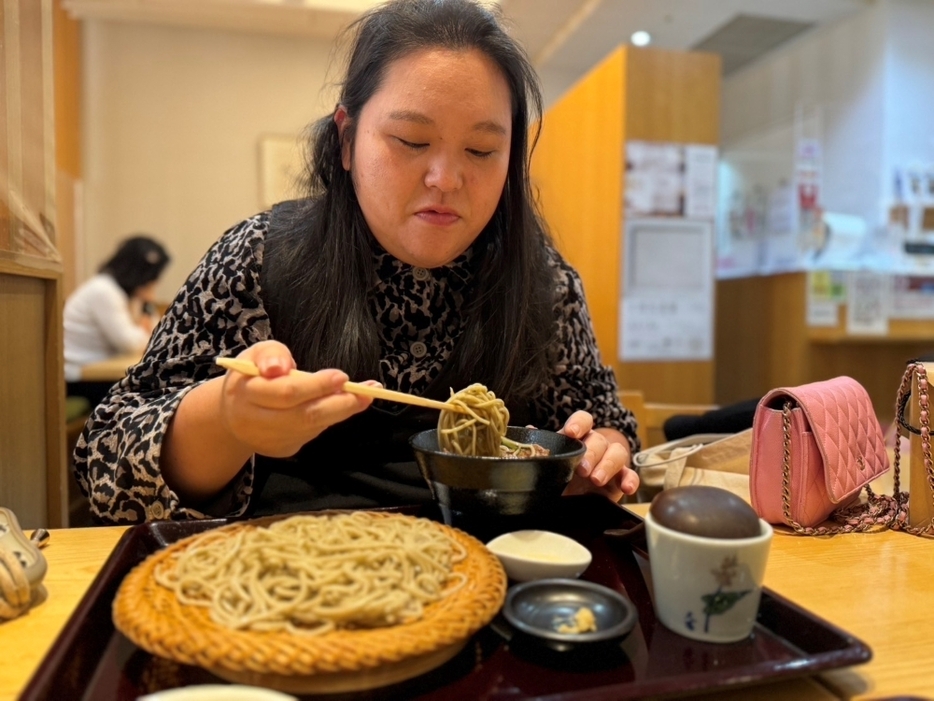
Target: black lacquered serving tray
<point x="92" y="661"/>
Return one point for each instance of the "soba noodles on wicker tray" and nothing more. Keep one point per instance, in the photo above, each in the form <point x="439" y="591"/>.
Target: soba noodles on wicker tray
<point x="480" y="427"/>
<point x="308" y="574"/>
<point x="323" y="594"/>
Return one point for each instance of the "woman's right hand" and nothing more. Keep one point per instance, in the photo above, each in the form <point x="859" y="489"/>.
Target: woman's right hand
<point x="276" y="413"/>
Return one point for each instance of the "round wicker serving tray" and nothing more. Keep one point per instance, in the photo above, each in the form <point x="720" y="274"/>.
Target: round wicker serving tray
<point x="343" y="660"/>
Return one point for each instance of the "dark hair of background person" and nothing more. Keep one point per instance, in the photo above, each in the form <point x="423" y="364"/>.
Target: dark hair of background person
<point x="322" y="243"/>
<point x="138" y="261"/>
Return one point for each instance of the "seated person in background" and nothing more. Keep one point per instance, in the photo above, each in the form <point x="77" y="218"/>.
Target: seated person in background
<point x="111" y="313"/>
<point x="416" y="259"/>
<point x="732" y="418"/>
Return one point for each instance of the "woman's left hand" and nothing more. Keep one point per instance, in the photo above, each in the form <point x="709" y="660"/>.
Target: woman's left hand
<point x="605" y="467"/>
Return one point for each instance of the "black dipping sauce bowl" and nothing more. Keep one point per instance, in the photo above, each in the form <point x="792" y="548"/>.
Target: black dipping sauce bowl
<point x="494" y="490"/>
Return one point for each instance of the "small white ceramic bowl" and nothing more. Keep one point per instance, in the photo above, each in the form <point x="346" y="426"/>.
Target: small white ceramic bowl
<point x="528" y="555"/>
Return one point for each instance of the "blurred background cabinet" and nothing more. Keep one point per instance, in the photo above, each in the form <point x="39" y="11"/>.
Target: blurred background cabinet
<point x="579" y="172"/>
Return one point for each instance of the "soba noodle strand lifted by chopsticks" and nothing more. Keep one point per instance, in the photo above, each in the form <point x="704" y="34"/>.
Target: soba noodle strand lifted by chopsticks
<point x="480" y="429"/>
<point x="315" y="574"/>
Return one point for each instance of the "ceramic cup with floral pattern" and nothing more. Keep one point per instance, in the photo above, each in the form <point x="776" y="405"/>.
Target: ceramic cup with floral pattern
<point x="707" y="588"/>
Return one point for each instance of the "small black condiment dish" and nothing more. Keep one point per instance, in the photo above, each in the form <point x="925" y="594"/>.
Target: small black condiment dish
<point x="485" y="487"/>
<point x="537" y="609"/>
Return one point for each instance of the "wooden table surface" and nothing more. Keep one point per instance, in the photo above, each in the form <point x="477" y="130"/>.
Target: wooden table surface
<point x="879" y="587"/>
<point x="75" y="556"/>
<point x="110" y="370"/>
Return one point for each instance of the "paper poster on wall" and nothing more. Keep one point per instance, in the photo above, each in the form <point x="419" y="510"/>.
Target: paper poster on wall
<point x="654" y="178"/>
<point x="912" y="297"/>
<point x="700" y="181"/>
<point x="808" y="169"/>
<point x="668" y="179"/>
<point x="826" y="290"/>
<point x="867" y="303"/>
<point x="781" y="216"/>
<point x="666" y="306"/>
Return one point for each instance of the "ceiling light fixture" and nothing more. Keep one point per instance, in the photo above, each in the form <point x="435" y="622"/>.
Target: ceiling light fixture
<point x="641" y="38"/>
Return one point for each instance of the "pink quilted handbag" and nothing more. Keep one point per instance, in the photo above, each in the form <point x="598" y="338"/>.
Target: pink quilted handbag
<point x="814" y="447"/>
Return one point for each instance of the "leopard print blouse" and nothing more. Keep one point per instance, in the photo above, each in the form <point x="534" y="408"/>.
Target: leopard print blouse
<point x="219" y="311"/>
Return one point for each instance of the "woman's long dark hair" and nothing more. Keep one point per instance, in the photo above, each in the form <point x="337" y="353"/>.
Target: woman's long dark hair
<point x="318" y="264"/>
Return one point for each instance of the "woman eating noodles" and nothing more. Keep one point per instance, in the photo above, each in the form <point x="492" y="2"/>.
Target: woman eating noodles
<point x="416" y="259"/>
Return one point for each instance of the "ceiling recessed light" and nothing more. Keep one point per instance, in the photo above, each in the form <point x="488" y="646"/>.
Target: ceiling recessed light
<point x="641" y="38"/>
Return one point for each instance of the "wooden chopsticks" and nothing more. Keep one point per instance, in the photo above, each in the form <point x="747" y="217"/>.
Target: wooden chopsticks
<point x="247" y="367"/>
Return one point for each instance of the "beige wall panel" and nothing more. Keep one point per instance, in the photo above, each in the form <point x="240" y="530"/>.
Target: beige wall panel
<point x="67" y="63"/>
<point x="789" y="356"/>
<point x="877" y="366"/>
<point x="741" y="339"/>
<point x="760" y="337"/>
<point x="172" y="120"/>
<point x="33" y="106"/>
<point x="23" y="398"/>
<point x="32" y="424"/>
<point x="66" y="205"/>
<point x="57" y="464"/>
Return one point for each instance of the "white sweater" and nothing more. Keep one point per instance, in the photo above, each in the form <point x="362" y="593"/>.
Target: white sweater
<point x="98" y="325"/>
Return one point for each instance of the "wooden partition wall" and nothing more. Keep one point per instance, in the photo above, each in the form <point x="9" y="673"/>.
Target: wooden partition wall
<point x="578" y="170"/>
<point x="32" y="395"/>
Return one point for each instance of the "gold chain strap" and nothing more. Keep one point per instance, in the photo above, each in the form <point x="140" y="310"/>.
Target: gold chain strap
<point x="786" y="468"/>
<point x="878" y="512"/>
<point x="904" y="392"/>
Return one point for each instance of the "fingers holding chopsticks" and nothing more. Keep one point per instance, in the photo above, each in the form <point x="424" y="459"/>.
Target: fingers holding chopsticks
<point x="278" y="411"/>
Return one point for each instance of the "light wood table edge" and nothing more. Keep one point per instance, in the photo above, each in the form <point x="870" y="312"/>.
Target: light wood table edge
<point x="75" y="557"/>
<point x="110" y="370"/>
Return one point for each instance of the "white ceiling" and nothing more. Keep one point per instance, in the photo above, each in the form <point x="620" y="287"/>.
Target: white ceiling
<point x="565" y="38"/>
<point x="568" y="37"/>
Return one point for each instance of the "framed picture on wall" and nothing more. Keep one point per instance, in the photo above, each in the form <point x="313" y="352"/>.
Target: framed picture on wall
<point x="281" y="167"/>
